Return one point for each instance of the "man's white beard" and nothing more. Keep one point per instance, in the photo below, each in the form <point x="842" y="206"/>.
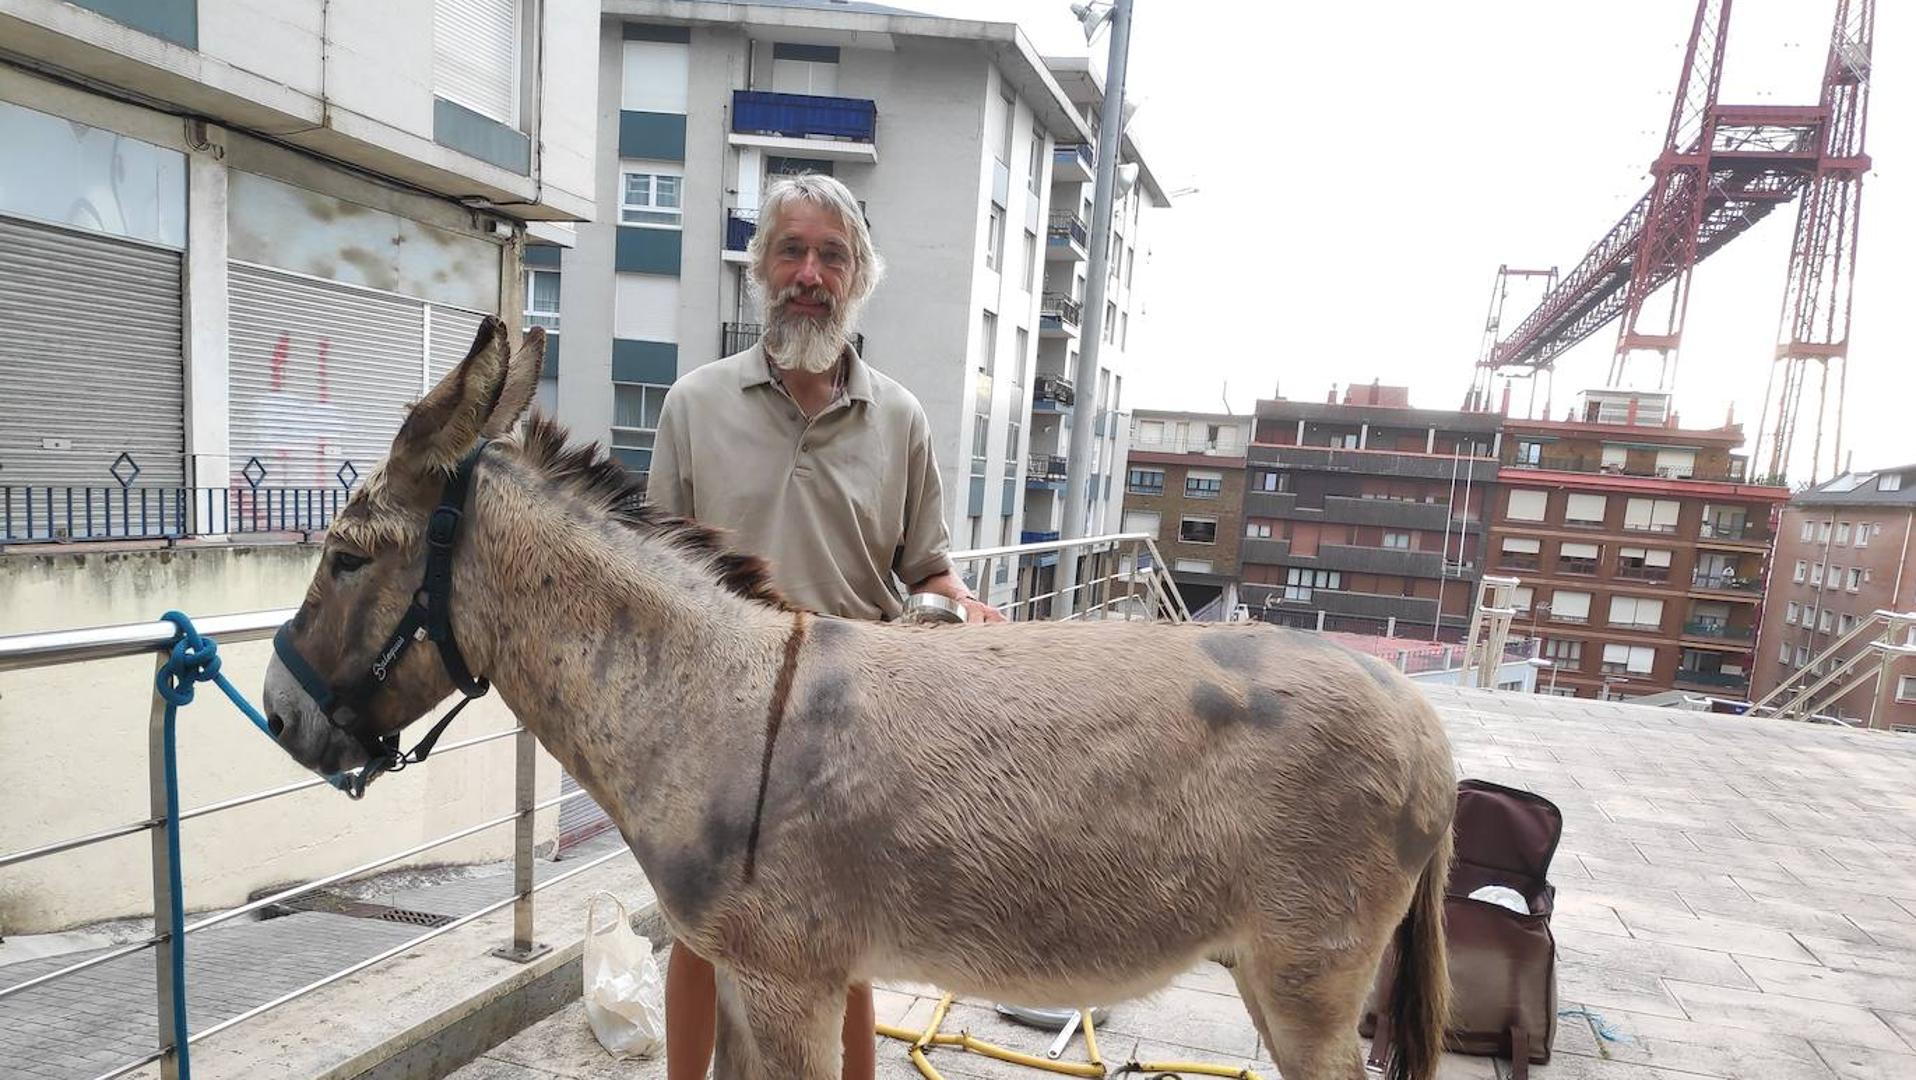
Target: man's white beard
<point x="797" y="343"/>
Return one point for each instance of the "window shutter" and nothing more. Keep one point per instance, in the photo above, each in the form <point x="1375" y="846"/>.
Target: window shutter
<point x="1527" y="505"/>
<point x="1578" y="551"/>
<point x="1636" y="514"/>
<point x="1585" y="508"/>
<point x="1522" y="545"/>
<point x="475" y="56"/>
<point x="1656" y="557"/>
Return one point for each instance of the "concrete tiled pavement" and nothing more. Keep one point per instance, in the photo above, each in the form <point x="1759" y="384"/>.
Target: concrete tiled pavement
<point x="1737" y="899"/>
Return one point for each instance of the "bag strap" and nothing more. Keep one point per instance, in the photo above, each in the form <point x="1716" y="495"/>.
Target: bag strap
<point x="592" y="910"/>
<point x="1519" y="1054"/>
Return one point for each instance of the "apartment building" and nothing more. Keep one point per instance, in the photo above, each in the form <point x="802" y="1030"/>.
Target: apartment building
<point x="1368" y="510"/>
<point x="1843" y="552"/>
<point x="235" y="242"/>
<point x="956" y="137"/>
<point x="1184" y="485"/>
<point x="1640" y="545"/>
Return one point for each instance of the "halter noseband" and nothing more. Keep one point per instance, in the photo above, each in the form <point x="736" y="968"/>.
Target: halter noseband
<point x="427" y="618"/>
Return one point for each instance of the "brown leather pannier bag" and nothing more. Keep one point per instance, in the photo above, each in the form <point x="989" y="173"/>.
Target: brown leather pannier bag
<point x="1503" y="965"/>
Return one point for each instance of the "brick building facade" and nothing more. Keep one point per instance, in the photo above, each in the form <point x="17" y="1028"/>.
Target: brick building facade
<point x="1184" y="484"/>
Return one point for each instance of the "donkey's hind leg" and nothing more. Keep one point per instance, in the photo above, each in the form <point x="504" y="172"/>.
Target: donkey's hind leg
<point x="795" y="1026"/>
<point x="1308" y="1019"/>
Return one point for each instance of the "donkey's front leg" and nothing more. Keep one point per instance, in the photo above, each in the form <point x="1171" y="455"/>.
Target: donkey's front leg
<point x="796" y="1025"/>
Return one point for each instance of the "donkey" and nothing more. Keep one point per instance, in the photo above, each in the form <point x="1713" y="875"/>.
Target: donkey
<point x="1053" y="813"/>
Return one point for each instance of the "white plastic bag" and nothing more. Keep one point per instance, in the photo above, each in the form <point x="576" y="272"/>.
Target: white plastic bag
<point x="624" y="990"/>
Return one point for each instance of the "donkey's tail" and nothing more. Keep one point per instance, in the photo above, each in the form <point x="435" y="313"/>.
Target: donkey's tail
<point x="1420" y="994"/>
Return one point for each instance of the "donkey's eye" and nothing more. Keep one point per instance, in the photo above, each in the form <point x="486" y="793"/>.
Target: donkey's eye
<point x="345" y="562"/>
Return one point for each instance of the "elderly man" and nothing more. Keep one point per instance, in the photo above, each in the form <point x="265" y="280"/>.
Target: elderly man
<point x="818" y="464"/>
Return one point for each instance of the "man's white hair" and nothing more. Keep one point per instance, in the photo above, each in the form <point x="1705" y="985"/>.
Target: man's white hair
<point x="831" y="195"/>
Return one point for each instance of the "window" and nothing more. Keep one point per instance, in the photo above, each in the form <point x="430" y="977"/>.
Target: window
<point x="1521" y="552"/>
<point x="980" y="439"/>
<point x="1826" y="621"/>
<point x="1257" y="530"/>
<point x="1268" y="481"/>
<point x="1034" y="168"/>
<point x="1802" y="655"/>
<point x="1890" y="482"/>
<point x="1526" y="505"/>
<point x="655" y="76"/>
<point x="1299" y="583"/>
<point x="1124" y="329"/>
<point x="1398" y="540"/>
<point x="1842" y="533"/>
<point x="1855" y="578"/>
<point x="805" y="69"/>
<point x="995" y="238"/>
<point x="1809" y="532"/>
<point x="1822" y="532"/>
<point x="1142" y="521"/>
<point x="1578" y="558"/>
<point x="1615" y="457"/>
<point x="475" y="57"/>
<point x="1816" y="575"/>
<point x="1008" y="122"/>
<point x="1203" y="485"/>
<point x="1835" y="579"/>
<point x="1862" y="534"/>
<point x="797" y="166"/>
<point x="542" y="300"/>
<point x="1222" y="436"/>
<point x="1110" y="321"/>
<point x="1528" y="453"/>
<point x="1130" y="264"/>
<point x="1651" y="515"/>
<point x="1018" y="364"/>
<point x="1569" y="607"/>
<point x="1789" y="614"/>
<point x="1906" y="688"/>
<point x="1564" y="652"/>
<point x="1192" y="566"/>
<point x="988" y="349"/>
<point x="1198" y="530"/>
<point x="1845" y="623"/>
<point x="1630" y="659"/>
<point x="1636" y="612"/>
<point x="650" y="198"/>
<point x="1676" y="464"/>
<point x="1145" y="482"/>
<point x="1031" y="260"/>
<point x="1521" y="598"/>
<point x="1581" y="509"/>
<point x="1784" y="654"/>
<point x="635" y="418"/>
<point x="1644" y="564"/>
<point x="1802" y="571"/>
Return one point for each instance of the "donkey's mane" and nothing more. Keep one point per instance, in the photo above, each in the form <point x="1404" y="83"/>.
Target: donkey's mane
<point x="589" y="472"/>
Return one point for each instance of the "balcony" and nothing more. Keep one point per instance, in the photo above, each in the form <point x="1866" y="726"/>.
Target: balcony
<point x="806" y="125"/>
<point x="1067" y="239"/>
<point x="1373" y="560"/>
<point x="737" y="337"/>
<point x="1728" y="586"/>
<point x="740" y="226"/>
<point x="1059" y="316"/>
<point x="1713" y="680"/>
<point x="1375" y="462"/>
<point x="1598" y="468"/>
<point x="1737" y="534"/>
<point x="1654" y="574"/>
<point x="1717" y="630"/>
<point x="1515" y="560"/>
<point x="1052" y="393"/>
<point x="1029" y="537"/>
<point x="1264" y="549"/>
<point x="1045" y="470"/>
<point x="1072" y="163"/>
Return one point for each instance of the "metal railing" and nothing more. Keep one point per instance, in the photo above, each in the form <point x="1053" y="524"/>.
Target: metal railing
<point x="741" y="224"/>
<point x="1061" y="308"/>
<point x="1744" y="531"/>
<point x="1053" y="388"/>
<point x="25" y="651"/>
<point x="1714" y="628"/>
<point x="1120" y="576"/>
<point x="62" y="515"/>
<point x="1074" y="154"/>
<point x="1337" y="622"/>
<point x="1045" y="468"/>
<point x="1726" y="582"/>
<point x="1067" y="226"/>
<point x="1666" y="472"/>
<point x="804" y="116"/>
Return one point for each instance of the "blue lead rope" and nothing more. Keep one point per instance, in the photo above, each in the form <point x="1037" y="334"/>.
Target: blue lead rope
<point x="194" y="658"/>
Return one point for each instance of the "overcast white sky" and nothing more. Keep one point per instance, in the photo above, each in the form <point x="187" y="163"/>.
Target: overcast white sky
<point x="1365" y="168"/>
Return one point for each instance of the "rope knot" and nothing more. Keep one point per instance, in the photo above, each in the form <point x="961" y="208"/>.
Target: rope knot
<point x="194" y="658"/>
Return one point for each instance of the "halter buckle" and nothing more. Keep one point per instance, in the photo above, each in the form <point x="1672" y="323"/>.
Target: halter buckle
<point x="442" y="526"/>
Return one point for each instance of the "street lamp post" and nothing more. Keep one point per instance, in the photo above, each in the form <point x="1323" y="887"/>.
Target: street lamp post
<point x="1078" y="486"/>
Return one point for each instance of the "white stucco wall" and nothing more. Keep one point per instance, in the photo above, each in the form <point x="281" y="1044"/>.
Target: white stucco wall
<point x="73" y="750"/>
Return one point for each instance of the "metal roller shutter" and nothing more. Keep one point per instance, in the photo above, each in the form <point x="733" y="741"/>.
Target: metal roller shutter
<point x="475" y="56"/>
<point x="90" y="359"/>
<point x="321" y="374"/>
<point x="449" y="333"/>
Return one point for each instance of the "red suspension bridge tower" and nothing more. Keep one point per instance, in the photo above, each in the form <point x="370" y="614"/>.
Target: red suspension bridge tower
<point x="1721" y="169"/>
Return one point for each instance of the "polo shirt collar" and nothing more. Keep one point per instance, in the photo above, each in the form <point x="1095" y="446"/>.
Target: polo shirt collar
<point x="755" y="369"/>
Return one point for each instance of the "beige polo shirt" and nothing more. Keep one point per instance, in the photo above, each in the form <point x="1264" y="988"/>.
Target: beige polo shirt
<point x="838" y="504"/>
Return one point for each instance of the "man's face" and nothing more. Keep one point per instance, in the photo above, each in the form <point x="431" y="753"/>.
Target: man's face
<point x="810" y="270"/>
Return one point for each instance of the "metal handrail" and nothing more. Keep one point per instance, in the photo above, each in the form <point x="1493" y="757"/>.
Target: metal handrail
<point x="20" y="652"/>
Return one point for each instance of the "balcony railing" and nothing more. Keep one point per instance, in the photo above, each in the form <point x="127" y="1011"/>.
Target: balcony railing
<point x="1514" y="561"/>
<point x="1725" y="582"/>
<point x="64" y="515"/>
<point x="1049" y="468"/>
<point x="1066" y="225"/>
<point x="1643" y="573"/>
<point x="1061" y="308"/>
<point x="1073" y="156"/>
<point x="1054" y="389"/>
<point x="1586" y="465"/>
<point x="1711" y="678"/>
<point x="1742" y="530"/>
<point x="804" y="116"/>
<point x="736" y="337"/>
<point x="1714" y="628"/>
<point x="740" y="225"/>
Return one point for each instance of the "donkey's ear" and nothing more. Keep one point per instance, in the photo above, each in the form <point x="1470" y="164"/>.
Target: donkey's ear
<point x="447" y="421"/>
<point x="522" y="381"/>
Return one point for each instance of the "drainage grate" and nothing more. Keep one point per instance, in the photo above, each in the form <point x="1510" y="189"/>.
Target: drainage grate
<point x="359" y="909"/>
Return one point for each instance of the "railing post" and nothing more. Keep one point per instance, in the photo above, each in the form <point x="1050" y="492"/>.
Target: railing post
<point x="1320" y="620"/>
<point x="166" y="904"/>
<point x="984" y="582"/>
<point x="525" y="761"/>
<point x="1390" y="626"/>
